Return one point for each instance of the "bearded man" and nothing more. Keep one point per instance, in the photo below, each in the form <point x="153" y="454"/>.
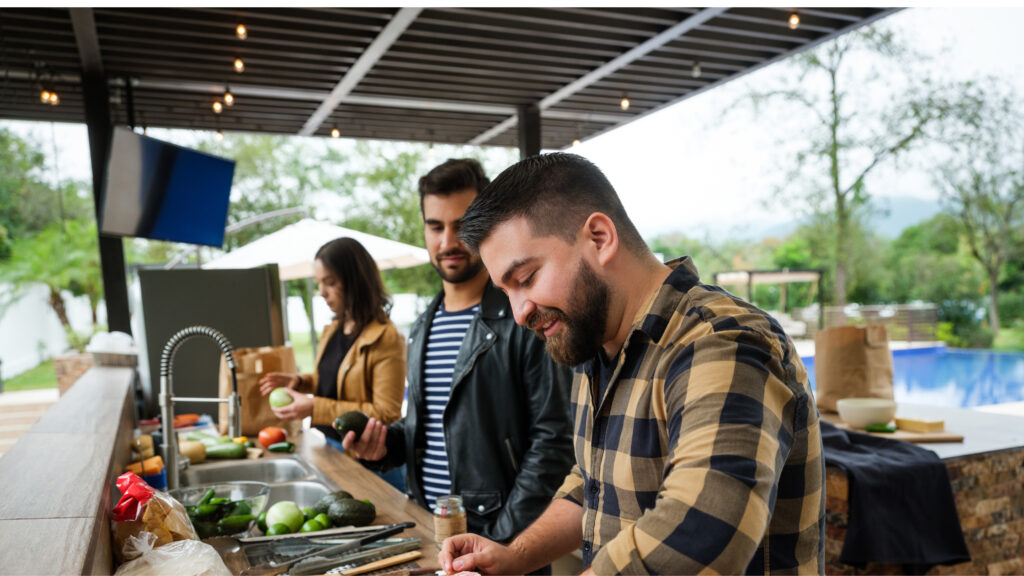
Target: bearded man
<point x="697" y="443"/>
<point x="488" y="410"/>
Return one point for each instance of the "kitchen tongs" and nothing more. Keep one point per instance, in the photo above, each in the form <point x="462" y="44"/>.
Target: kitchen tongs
<point x="272" y="569"/>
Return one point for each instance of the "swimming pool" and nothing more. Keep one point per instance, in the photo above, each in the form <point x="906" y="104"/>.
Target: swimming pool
<point x="954" y="378"/>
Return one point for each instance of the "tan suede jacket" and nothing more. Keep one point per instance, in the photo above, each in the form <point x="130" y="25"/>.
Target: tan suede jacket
<point x="371" y="378"/>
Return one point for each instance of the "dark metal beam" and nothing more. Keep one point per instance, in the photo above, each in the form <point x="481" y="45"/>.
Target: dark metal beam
<point x="529" y="130"/>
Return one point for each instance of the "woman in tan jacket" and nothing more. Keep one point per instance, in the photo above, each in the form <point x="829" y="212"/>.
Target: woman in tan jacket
<point x="360" y="361"/>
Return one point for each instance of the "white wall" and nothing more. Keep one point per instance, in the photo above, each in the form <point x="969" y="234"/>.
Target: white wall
<point x="30" y="332"/>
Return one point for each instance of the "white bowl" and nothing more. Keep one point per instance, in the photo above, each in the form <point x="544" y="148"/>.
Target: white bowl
<point x="864" y="412"/>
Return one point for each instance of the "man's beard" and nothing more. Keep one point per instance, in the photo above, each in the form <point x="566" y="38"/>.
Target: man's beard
<point x="582" y="330"/>
<point x="472" y="268"/>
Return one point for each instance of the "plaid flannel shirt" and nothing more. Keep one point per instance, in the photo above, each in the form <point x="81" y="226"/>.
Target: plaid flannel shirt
<point x="705" y="453"/>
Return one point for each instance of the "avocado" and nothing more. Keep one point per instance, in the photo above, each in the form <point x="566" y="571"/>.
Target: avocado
<point x="353" y="420"/>
<point x="351" y="512"/>
<point x="325" y="502"/>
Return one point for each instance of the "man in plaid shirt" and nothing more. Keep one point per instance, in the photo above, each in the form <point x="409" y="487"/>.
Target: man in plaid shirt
<point x="697" y="441"/>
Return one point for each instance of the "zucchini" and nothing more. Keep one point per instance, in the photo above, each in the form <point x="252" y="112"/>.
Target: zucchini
<point x="227" y="450"/>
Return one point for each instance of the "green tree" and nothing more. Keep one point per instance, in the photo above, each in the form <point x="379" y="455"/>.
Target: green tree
<point x="849" y="134"/>
<point x="63" y="257"/>
<point x="983" y="181"/>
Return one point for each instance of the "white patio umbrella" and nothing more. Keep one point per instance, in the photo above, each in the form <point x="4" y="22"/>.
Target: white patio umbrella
<point x="292" y="248"/>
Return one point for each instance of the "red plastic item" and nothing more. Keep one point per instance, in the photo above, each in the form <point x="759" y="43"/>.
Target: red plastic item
<point x="134" y="493"/>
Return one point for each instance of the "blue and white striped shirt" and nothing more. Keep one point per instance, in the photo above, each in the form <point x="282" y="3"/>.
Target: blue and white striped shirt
<point x="447" y="331"/>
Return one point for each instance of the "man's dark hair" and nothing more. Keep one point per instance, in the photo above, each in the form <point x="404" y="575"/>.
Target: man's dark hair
<point x="362" y="289"/>
<point x="556" y="193"/>
<point x="453" y="175"/>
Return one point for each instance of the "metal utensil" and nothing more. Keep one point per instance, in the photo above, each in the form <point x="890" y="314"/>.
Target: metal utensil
<point x="272" y="569"/>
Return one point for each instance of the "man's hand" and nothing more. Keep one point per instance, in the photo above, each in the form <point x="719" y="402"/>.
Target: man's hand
<point x="273" y="380"/>
<point x="372" y="443"/>
<point x="301" y="406"/>
<point x="473" y="552"/>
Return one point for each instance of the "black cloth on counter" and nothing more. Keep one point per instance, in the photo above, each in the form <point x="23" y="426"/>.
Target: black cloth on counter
<point x="902" y="509"/>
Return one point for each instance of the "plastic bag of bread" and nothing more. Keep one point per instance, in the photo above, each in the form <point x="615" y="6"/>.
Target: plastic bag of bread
<point x="184" y="558"/>
<point x="143" y="510"/>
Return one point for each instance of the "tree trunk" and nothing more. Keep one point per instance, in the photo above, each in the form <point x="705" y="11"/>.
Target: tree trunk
<point x="993" y="302"/>
<point x="57" y="303"/>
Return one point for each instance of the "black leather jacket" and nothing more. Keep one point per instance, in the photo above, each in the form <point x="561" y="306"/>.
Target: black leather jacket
<point x="507" y="426"/>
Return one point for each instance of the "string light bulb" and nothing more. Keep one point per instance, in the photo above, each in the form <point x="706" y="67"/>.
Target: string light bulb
<point x="219" y="136"/>
<point x="576" y="142"/>
<point x="696" y="72"/>
<point x="624" y="103"/>
<point x="241" y="32"/>
<point x="239" y="65"/>
<point x="794" y="21"/>
<point x="335" y="133"/>
<point x="217" y="107"/>
<point x="44" y="96"/>
<point x="229" y="98"/>
<point x="54" y="99"/>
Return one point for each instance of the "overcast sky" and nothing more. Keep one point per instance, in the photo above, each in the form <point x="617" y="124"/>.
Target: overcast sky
<point x="688" y="169"/>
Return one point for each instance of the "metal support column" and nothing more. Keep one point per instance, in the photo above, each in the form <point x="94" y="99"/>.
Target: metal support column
<point x="529" y="130"/>
<point x="97" y="119"/>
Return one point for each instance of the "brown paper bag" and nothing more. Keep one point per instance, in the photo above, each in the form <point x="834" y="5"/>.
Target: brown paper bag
<point x="852" y="362"/>
<point x="251" y="364"/>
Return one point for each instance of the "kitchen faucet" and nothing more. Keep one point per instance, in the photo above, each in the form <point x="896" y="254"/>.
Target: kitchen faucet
<point x="167" y="399"/>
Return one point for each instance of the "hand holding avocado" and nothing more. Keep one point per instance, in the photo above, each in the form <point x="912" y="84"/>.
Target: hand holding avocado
<point x="362" y="437"/>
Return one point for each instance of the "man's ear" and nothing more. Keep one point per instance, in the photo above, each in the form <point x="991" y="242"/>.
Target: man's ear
<point x="601" y="236"/>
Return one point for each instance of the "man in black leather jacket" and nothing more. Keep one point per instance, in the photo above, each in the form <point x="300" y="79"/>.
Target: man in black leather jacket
<point x="506" y="424"/>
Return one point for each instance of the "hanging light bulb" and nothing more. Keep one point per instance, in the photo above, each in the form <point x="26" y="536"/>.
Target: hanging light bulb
<point x="576" y="142"/>
<point x="143" y="130"/>
<point x="239" y="65"/>
<point x="44" y="96"/>
<point x="241" y="32"/>
<point x="335" y="133"/>
<point x="219" y="136"/>
<point x="54" y="99"/>
<point x="217" y="107"/>
<point x="229" y="98"/>
<point x="696" y="72"/>
<point x="794" y="21"/>
<point x="624" y="103"/>
<point x="430" y="151"/>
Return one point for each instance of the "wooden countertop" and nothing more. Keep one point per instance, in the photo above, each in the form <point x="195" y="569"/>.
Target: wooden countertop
<point x="56" y="479"/>
<point x="392" y="506"/>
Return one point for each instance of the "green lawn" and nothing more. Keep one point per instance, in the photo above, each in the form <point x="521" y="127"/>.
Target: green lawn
<point x="1010" y="339"/>
<point x="42" y="376"/>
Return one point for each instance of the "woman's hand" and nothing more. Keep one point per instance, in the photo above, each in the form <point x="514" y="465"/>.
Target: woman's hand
<point x="273" y="380"/>
<point x="301" y="406"/>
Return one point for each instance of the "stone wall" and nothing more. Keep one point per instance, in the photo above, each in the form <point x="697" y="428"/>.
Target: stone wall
<point x="989" y="491"/>
<point x="69" y="369"/>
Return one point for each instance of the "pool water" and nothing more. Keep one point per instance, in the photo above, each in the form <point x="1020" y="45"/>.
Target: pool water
<point x="954" y="378"/>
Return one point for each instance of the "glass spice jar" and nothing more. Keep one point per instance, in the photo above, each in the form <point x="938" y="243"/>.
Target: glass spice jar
<point x="449" y="517"/>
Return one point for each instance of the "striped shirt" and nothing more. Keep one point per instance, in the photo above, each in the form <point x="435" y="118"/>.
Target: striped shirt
<point x="703" y="454"/>
<point x="447" y="331"/>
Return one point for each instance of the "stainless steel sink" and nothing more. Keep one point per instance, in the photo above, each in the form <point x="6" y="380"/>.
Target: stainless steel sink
<point x="305" y="493"/>
<point x="269" y="470"/>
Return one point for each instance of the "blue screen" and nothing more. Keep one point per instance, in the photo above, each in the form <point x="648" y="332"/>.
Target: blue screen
<point x="162" y="191"/>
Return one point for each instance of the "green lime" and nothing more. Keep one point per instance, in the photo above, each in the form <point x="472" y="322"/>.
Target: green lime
<point x="323" y="520"/>
<point x="278" y="529"/>
<point x="312" y="526"/>
<point x="261" y="521"/>
<point x="308" y="513"/>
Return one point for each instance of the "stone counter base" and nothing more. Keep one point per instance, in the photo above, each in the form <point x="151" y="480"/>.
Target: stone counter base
<point x="989" y="491"/>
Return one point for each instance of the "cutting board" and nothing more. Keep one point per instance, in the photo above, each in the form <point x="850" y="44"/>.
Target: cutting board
<point x="905" y="435"/>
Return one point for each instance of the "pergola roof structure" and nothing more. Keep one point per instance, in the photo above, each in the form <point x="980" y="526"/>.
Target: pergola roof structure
<point x="446" y="75"/>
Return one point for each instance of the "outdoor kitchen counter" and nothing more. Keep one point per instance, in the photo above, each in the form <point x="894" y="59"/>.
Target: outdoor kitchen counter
<point x="392" y="506"/>
<point x="56" y="480"/>
<point x="986" y="471"/>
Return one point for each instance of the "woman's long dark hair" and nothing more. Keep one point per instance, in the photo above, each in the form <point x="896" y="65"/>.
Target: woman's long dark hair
<point x="363" y="292"/>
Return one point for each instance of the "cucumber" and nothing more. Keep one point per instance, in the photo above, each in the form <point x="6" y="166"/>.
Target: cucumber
<point x="234" y="524"/>
<point x="282" y="447"/>
<point x="227" y="450"/>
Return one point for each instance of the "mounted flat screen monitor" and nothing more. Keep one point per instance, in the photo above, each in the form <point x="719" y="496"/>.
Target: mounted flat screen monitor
<point x="161" y="191"/>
